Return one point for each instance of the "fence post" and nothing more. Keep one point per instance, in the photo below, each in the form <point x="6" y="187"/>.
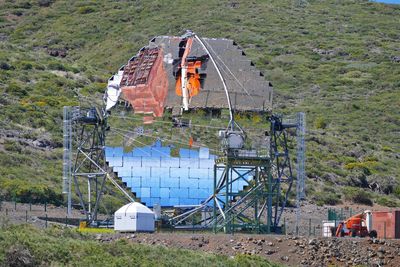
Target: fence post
<point x="46" y="220"/>
<point x="30" y="205"/>
<point x="15" y="205"/>
<point x="284" y="225"/>
<point x="314" y="230"/>
<point x="309" y="227"/>
<point x="45" y="206"/>
<point x="26" y="215"/>
<point x="384" y="230"/>
<point x="66" y="221"/>
<point x="297" y="230"/>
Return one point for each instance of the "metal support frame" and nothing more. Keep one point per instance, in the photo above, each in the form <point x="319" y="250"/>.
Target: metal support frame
<point x="242" y="210"/>
<point x="84" y="159"/>
<point x="67" y="156"/>
<point x="301" y="150"/>
<point x="229" y="211"/>
<point x="301" y="147"/>
<point x="89" y="159"/>
<point x="281" y="164"/>
<point x="259" y="206"/>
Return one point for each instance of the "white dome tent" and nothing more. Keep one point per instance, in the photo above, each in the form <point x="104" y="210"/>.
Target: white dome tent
<point x="134" y="217"/>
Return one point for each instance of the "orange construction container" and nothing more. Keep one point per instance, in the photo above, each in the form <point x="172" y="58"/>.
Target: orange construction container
<point x="386" y="223"/>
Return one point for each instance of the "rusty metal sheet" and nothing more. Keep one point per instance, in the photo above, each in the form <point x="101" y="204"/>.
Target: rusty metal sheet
<point x="144" y="82"/>
<point x="386" y="223"/>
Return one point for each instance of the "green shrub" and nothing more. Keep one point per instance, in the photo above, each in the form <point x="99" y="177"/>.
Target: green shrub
<point x="387" y="149"/>
<point x="16" y="90"/>
<point x="256" y="118"/>
<point x="45" y="3"/>
<point x="56" y="66"/>
<point x="26" y="65"/>
<point x="66" y="247"/>
<point x="387" y="202"/>
<point x="320" y="123"/>
<point x="327" y="198"/>
<point x="5" y="66"/>
<point x="365" y="166"/>
<point x="28" y="192"/>
<point x="396" y="191"/>
<point x="86" y="10"/>
<point x="357" y="195"/>
<point x="12" y="146"/>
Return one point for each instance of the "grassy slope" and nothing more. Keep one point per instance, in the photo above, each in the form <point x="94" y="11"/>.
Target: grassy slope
<point x="57" y="247"/>
<point x="349" y="88"/>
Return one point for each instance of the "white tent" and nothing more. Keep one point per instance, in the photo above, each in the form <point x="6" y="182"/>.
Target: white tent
<point x="134" y="217"/>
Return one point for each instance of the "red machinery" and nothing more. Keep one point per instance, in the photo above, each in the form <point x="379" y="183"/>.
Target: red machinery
<point x="357" y="225"/>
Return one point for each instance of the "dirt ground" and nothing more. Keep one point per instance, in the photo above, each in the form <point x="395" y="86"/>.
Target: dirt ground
<point x="26" y="213"/>
<point x="302" y="250"/>
<point x="287" y="250"/>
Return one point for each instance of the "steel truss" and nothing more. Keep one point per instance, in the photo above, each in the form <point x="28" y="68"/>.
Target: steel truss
<point x="257" y="208"/>
<point x="84" y="159"/>
<point x="243" y="210"/>
<point x="281" y="164"/>
<point x="89" y="163"/>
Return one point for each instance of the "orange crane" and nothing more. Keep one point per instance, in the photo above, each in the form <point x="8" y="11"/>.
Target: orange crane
<point x="358" y="225"/>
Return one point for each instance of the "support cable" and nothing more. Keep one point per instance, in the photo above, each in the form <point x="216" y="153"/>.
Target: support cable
<point x="164" y="139"/>
<point x="108" y="176"/>
<point x="231" y="122"/>
<point x="230" y="72"/>
<point x="143" y="144"/>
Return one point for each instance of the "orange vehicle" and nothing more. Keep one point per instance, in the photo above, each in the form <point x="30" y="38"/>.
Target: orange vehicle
<point x="358" y="225"/>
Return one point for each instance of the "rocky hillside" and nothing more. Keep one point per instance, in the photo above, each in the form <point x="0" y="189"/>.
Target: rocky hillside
<point x="339" y="61"/>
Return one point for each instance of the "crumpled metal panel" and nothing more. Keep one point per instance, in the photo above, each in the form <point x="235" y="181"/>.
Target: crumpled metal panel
<point x="144" y="82"/>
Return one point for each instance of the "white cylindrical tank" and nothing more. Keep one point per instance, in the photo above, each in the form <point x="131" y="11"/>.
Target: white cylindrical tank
<point x="134" y="217"/>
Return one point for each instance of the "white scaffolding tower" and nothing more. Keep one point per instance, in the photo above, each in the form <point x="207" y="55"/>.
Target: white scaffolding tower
<point x="300" y="166"/>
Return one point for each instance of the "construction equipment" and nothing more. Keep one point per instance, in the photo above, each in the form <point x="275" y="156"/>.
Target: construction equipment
<point x="358" y="225"/>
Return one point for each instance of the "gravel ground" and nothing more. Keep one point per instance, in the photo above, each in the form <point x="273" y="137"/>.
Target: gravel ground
<point x="286" y="249"/>
<point x="25" y="213"/>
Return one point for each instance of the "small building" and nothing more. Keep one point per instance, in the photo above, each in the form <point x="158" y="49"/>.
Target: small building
<point x="386" y="223"/>
<point x="134" y="217"/>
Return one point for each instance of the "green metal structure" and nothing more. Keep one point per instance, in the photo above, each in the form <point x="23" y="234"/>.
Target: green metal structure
<point x="248" y="210"/>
